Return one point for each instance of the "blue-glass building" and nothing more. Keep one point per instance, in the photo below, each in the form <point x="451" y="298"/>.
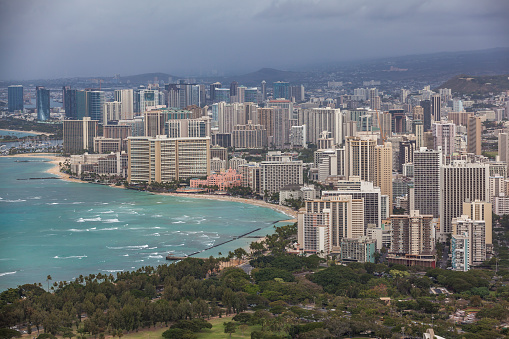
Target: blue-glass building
<point x="15" y="98"/>
<point x="95" y="100"/>
<point x="281" y="90"/>
<point x="222" y="94"/>
<point x="42" y="103"/>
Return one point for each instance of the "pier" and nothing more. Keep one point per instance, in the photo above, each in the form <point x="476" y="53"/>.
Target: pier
<point x="172" y="257"/>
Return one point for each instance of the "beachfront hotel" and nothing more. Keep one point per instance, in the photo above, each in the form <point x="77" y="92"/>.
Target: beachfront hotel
<point x="163" y="159"/>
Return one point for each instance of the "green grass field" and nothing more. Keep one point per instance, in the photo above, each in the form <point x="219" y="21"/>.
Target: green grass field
<point x="217" y="331"/>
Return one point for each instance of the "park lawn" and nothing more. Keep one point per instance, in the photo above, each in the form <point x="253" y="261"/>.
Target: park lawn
<point x="217" y="330"/>
<point x="156" y="333"/>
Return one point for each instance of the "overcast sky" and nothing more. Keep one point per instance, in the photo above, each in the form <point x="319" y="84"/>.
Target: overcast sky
<point x="65" y="38"/>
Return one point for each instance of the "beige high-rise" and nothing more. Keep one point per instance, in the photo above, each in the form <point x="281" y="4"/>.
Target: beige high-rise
<point x="480" y="211"/>
<point x="383" y="170"/>
<point x="360" y="158"/>
<point x="163" y="159"/>
<point x="474" y="129"/>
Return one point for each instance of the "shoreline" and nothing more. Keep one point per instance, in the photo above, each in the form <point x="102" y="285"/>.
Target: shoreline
<point x="20" y="131"/>
<point x="292" y="214"/>
<point x="55" y="170"/>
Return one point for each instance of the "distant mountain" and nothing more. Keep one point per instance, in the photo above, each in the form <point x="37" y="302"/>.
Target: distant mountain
<point x="467" y="84"/>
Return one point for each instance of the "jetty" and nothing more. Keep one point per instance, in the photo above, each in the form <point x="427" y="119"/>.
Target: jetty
<point x="172" y="257"/>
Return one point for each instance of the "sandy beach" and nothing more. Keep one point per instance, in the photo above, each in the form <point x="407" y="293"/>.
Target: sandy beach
<point x="33" y="132"/>
<point x="55" y="160"/>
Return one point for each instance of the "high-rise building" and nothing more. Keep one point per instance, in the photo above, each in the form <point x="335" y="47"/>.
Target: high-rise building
<point x="412" y="234"/>
<point x="222" y="94"/>
<point x="325" y="222"/>
<point x="281" y="90"/>
<point x="126" y="98"/>
<point x="249" y="136"/>
<point x="474" y="129"/>
<point x="398" y="120"/>
<point x="475" y="230"/>
<point x="366" y="191"/>
<point x="418" y="130"/>
<point x="81" y="104"/>
<point x="297" y="93"/>
<point x="460" y="182"/>
<point x="406" y="153"/>
<point x="264" y="90"/>
<point x="213" y="88"/>
<point x="426" y="112"/>
<point x="79" y="135"/>
<point x="274" y="175"/>
<point x="15" y="98"/>
<point x="163" y="159"/>
<point x="427" y="164"/>
<point x="188" y="128"/>
<point x="436" y="107"/>
<point x="42" y="103"/>
<point x="358" y="250"/>
<point x="460" y="252"/>
<point x="318" y="120"/>
<point x="503" y="147"/>
<point x="383" y="170"/>
<point x="444" y="135"/>
<point x="375" y="103"/>
<point x="95" y="100"/>
<point x="145" y="98"/>
<point x="70" y="102"/>
<point x="233" y="88"/>
<point x="112" y="111"/>
<point x="360" y="158"/>
<point x="283" y="109"/>
<point x="155" y="120"/>
<point x="481" y="211"/>
<point x="418" y="113"/>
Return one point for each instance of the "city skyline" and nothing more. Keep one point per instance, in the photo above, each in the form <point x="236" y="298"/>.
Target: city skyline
<point x="69" y="39"/>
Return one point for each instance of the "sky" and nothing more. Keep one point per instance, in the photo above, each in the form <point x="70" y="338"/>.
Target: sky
<point x="48" y="39"/>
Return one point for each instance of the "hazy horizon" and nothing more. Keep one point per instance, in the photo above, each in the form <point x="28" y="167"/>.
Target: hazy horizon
<point x="59" y="39"/>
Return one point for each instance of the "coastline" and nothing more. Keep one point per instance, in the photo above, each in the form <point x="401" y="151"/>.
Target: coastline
<point x="55" y="160"/>
<point x="20" y="131"/>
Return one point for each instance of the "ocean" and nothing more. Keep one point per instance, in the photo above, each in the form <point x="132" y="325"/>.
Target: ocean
<point x="64" y="229"/>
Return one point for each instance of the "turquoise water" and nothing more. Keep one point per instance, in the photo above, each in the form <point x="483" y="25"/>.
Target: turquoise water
<point x="64" y="229"/>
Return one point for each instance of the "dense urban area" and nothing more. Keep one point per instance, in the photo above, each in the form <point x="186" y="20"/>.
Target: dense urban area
<point x="395" y="179"/>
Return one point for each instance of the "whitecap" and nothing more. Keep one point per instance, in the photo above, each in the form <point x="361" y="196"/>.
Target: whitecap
<point x="131" y="247"/>
<point x="89" y="219"/>
<point x="77" y="230"/>
<point x="78" y="202"/>
<point x="109" y="221"/>
<point x="17" y="200"/>
<point x="109" y="229"/>
<point x="125" y="255"/>
<point x="7" y="273"/>
<point x="71" y="257"/>
<point x="52" y="203"/>
<point x="151" y="248"/>
<point x="154" y="235"/>
<point x="178" y="222"/>
<point x="107" y="212"/>
<point x="175" y="245"/>
<point x="155" y="256"/>
<point x="157" y="216"/>
<point x="35" y="198"/>
<point x="139" y="261"/>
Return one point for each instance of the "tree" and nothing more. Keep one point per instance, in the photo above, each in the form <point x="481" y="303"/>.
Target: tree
<point x="229" y="327"/>
<point x="48" y="278"/>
